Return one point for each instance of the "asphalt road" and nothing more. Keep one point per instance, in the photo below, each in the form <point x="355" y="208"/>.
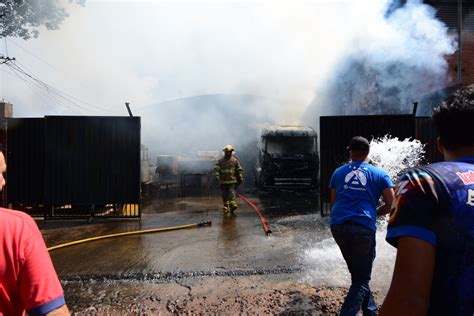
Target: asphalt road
<point x="185" y="270"/>
<point x="231" y="243"/>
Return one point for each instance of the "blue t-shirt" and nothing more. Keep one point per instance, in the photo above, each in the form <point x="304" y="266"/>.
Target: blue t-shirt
<point x="358" y="186"/>
<point x="435" y="203"/>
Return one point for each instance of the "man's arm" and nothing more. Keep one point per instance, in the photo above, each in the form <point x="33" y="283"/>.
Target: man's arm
<point x="388" y="196"/>
<point x="62" y="311"/>
<point x="239" y="171"/>
<point x="409" y="292"/>
<point x="333" y="197"/>
<point x="217" y="171"/>
<point x="39" y="285"/>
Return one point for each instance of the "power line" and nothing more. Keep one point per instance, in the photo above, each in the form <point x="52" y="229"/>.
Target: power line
<point x="54" y="94"/>
<point x="52" y="90"/>
<point x="22" y="72"/>
<point x="56" y="69"/>
<point x="64" y="93"/>
<point x="36" y="89"/>
<point x="30" y="53"/>
<point x="29" y="85"/>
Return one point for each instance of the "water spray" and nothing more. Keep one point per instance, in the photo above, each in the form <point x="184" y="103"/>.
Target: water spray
<point x="394" y="155"/>
<point x="326" y="264"/>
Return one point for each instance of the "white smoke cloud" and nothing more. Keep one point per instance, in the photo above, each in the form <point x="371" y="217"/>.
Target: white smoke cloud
<point x="394" y="58"/>
<point x="297" y="53"/>
<point x="148" y="52"/>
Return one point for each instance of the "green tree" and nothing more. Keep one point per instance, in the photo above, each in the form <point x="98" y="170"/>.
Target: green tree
<point x="22" y="18"/>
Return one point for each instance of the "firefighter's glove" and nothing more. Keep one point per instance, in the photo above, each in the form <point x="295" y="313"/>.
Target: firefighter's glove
<point x="218" y="179"/>
<point x="239" y="182"/>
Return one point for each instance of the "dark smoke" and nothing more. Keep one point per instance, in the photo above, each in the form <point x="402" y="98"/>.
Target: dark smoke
<point x="399" y="58"/>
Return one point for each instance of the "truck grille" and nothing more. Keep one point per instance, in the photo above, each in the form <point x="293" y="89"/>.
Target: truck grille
<point x="293" y="182"/>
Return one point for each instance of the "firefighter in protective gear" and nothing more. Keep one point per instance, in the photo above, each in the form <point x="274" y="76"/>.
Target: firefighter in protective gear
<point x="229" y="175"/>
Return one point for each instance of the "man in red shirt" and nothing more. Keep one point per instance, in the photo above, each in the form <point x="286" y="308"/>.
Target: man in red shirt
<point x="28" y="281"/>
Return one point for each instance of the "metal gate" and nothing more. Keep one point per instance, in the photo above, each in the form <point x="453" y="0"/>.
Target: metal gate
<point x="74" y="166"/>
<point x="336" y="131"/>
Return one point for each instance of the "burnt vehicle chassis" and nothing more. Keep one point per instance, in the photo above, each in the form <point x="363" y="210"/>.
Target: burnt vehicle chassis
<point x="288" y="159"/>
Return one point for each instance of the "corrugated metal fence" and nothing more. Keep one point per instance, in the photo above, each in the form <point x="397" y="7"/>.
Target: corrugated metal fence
<point x="74" y="166"/>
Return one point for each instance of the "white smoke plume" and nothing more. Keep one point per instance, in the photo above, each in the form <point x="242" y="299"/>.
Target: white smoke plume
<point x="299" y="59"/>
<point x="397" y="55"/>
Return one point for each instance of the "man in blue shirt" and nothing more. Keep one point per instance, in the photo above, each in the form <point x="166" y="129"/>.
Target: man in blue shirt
<point x="432" y="225"/>
<point x="355" y="191"/>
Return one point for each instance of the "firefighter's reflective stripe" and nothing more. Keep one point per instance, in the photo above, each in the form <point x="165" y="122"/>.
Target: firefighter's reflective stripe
<point x="229" y="197"/>
<point x="217" y="170"/>
<point x="229" y="170"/>
<point x="228" y="182"/>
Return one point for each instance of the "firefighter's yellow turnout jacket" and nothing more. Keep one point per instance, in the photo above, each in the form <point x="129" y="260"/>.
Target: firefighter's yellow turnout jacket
<point x="229" y="171"/>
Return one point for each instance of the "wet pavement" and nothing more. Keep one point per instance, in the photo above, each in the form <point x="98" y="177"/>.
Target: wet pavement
<point x="194" y="270"/>
<point x="231" y="243"/>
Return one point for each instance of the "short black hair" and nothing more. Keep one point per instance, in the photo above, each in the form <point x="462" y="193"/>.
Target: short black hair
<point x="359" y="143"/>
<point x="454" y="119"/>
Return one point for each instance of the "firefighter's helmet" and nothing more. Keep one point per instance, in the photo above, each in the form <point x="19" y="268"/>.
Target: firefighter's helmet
<point x="228" y="148"/>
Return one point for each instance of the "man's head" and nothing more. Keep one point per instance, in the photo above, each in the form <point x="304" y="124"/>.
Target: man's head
<point x="359" y="148"/>
<point x="228" y="150"/>
<point x="454" y="119"/>
<point x="3" y="168"/>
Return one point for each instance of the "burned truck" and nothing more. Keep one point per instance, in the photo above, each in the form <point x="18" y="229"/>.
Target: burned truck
<point x="288" y="158"/>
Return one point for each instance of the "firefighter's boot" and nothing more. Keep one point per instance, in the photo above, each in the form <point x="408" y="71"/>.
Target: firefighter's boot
<point x="233" y="206"/>
<point x="226" y="208"/>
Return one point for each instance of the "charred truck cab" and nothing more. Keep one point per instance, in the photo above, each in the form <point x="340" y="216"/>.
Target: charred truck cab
<point x="288" y="158"/>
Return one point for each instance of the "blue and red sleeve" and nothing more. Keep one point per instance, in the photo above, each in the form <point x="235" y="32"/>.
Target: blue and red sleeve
<point x="416" y="206"/>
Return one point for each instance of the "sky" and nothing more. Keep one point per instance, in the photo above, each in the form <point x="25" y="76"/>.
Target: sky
<point x="307" y="57"/>
<point x="146" y="52"/>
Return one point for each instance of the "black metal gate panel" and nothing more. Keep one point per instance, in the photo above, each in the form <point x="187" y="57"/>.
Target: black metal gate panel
<point x="92" y="160"/>
<point x="25" y="160"/>
<point x="336" y="131"/>
<point x="426" y="133"/>
<point x="75" y="166"/>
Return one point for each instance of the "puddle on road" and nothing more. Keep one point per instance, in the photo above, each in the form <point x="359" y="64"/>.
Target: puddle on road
<point x="301" y="247"/>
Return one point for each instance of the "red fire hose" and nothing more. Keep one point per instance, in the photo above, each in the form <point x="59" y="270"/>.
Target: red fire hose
<point x="266" y="228"/>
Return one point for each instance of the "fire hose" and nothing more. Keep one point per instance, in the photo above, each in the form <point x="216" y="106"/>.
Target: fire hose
<point x="137" y="232"/>
<point x="266" y="228"/>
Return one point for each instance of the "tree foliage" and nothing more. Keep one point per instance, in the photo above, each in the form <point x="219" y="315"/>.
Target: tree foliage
<point x="23" y="18"/>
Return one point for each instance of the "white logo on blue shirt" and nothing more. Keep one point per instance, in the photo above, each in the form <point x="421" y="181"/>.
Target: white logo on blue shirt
<point x="470" y="197"/>
<point x="355" y="180"/>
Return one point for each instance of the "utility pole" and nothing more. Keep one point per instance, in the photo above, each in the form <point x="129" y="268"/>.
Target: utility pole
<point x="128" y="109"/>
